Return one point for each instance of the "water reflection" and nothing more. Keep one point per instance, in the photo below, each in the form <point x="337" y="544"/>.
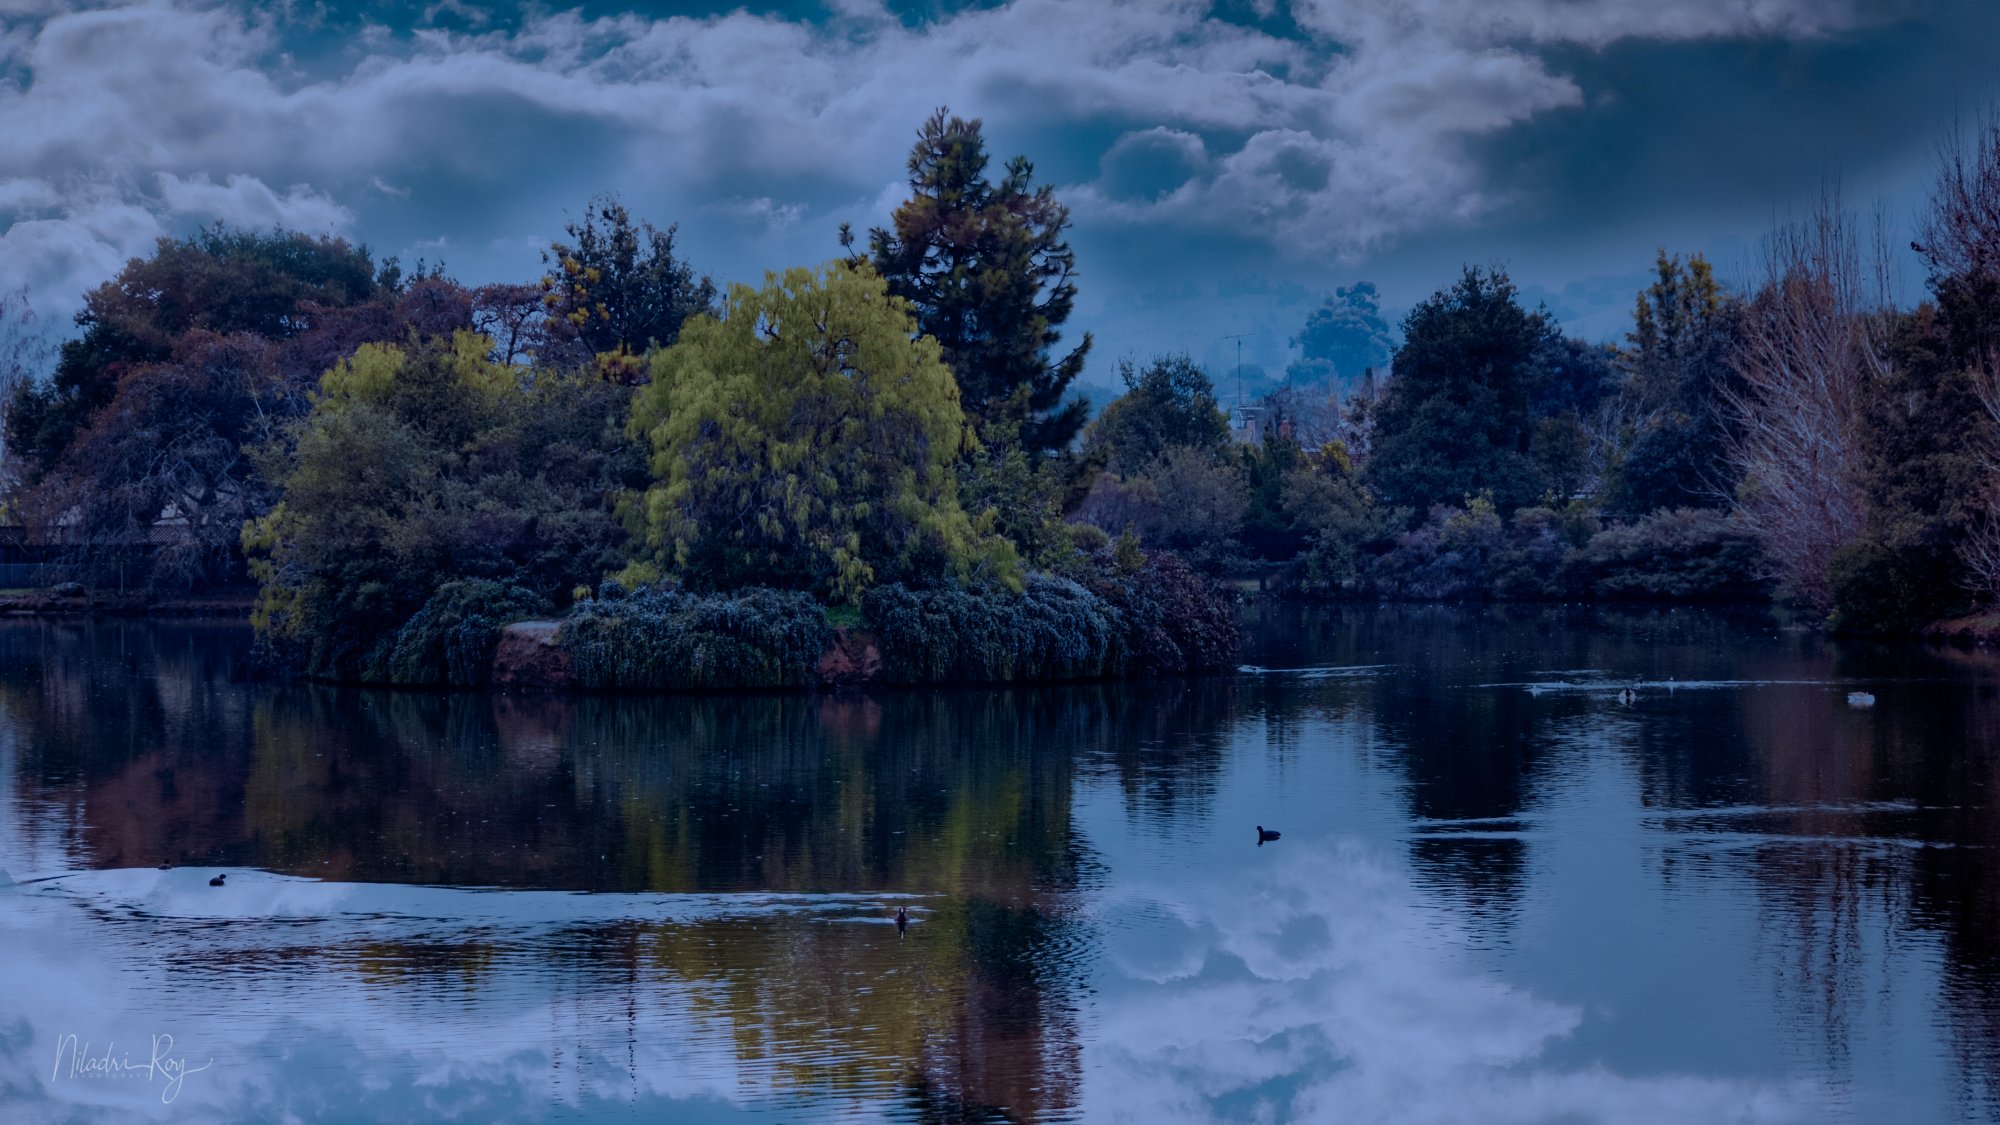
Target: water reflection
<point x="961" y="799"/>
<point x="1505" y="892"/>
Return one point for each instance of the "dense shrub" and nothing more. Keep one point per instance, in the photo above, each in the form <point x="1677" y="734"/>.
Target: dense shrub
<point x="1534" y="565"/>
<point x="1189" y="500"/>
<point x="662" y="639"/>
<point x="1682" y="554"/>
<point x="1175" y="620"/>
<point x="1445" y="558"/>
<point x="1129" y="614"/>
<point x="451" y="639"/>
<point x="1053" y="630"/>
<point x="1542" y="554"/>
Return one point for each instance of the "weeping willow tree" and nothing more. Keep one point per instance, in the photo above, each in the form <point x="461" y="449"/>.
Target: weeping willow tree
<point x="806" y="440"/>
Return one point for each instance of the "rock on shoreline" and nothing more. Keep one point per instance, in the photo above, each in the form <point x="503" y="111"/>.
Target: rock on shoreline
<point x="529" y="655"/>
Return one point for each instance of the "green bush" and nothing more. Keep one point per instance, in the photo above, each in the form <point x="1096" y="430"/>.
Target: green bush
<point x="661" y="639"/>
<point x="451" y="639"/>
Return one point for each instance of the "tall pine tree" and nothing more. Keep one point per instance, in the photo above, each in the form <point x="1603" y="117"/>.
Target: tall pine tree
<point x="989" y="275"/>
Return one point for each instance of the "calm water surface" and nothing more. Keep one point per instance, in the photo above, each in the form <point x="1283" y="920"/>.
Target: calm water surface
<point x="1503" y="894"/>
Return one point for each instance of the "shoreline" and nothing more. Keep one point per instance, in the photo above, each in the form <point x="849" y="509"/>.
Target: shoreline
<point x="527" y="656"/>
<point x="43" y="603"/>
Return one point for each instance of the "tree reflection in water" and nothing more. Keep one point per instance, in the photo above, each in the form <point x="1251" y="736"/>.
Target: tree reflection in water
<point x="961" y="797"/>
<point x="1088" y="908"/>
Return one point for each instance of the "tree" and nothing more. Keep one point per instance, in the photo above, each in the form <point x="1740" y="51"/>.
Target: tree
<point x="161" y="480"/>
<point x="1669" y="435"/>
<point x="615" y="288"/>
<point x="1170" y="403"/>
<point x="1311" y="416"/>
<point x="423" y="465"/>
<point x="274" y="285"/>
<point x="807" y="440"/>
<point x="513" y="317"/>
<point x="1925" y="451"/>
<point x="1456" y="418"/>
<point x="1342" y="338"/>
<point x="1571" y="383"/>
<point x="137" y="450"/>
<point x="1202" y="504"/>
<point x="1811" y="345"/>
<point x="24" y="352"/>
<point x="1026" y="496"/>
<point x="989" y="276"/>
<point x="1960" y="245"/>
<point x="1324" y="497"/>
<point x="1268" y="529"/>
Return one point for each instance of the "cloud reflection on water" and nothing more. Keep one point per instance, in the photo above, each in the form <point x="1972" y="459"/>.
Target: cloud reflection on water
<point x="355" y="1002"/>
<point x="1323" y="988"/>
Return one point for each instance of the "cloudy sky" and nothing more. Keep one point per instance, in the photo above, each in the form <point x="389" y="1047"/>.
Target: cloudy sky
<point x="1227" y="162"/>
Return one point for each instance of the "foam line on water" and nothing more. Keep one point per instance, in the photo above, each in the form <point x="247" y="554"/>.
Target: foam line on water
<point x="252" y="894"/>
<point x="1313" y="672"/>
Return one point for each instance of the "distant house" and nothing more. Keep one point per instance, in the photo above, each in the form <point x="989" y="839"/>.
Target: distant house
<point x="1246" y="423"/>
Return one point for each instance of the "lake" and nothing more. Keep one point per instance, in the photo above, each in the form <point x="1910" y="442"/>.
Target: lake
<point x="1504" y="892"/>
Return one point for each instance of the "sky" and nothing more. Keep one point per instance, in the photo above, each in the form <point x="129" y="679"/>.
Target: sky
<point x="1227" y="163"/>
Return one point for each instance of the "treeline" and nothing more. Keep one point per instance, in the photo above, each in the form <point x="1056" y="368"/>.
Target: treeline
<point x="890" y="441"/>
<point x="1804" y="438"/>
<point x="1496" y="458"/>
<point x="702" y="484"/>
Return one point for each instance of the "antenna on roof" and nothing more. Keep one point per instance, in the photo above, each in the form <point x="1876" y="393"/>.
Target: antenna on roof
<point x="1239" y="363"/>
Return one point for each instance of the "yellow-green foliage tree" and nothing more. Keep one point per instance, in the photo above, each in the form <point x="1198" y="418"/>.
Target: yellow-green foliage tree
<point x="806" y="440"/>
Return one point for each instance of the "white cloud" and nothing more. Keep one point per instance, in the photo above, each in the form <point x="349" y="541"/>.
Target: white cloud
<point x="1591" y="22"/>
<point x="27" y="195"/>
<point x="1315" y="147"/>
<point x="57" y="259"/>
<point x="246" y="201"/>
<point x="763" y="212"/>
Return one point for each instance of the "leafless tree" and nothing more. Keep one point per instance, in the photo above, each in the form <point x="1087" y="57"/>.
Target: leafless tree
<point x="1960" y="233"/>
<point x="1811" y="343"/>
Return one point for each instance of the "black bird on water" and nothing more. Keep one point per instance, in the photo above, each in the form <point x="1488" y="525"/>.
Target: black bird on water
<point x="1265" y="834"/>
<point x="902" y="920"/>
<point x="166" y="867"/>
<point x="217" y="881"/>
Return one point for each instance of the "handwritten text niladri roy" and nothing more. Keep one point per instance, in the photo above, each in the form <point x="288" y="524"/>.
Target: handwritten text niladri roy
<point x="163" y="1065"/>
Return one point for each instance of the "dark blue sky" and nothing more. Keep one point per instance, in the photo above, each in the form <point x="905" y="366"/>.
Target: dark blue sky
<point x="1227" y="163"/>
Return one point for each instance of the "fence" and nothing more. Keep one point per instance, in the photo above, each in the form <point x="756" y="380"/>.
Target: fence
<point x="34" y="576"/>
